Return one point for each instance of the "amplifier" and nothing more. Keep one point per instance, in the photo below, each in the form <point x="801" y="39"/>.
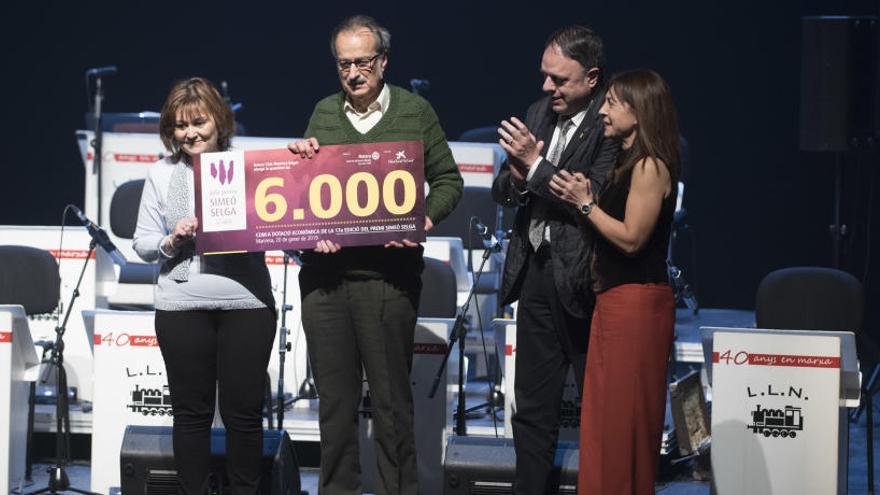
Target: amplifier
<point x="147" y="462"/>
<point x="486" y="466"/>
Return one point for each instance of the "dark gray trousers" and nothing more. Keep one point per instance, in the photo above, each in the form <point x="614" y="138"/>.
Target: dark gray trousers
<point x="355" y="326"/>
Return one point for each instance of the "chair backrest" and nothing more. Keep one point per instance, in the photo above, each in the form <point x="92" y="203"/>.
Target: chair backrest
<point x="29" y="277"/>
<point x="439" y="294"/>
<point x="476" y="201"/>
<point x="124" y="208"/>
<point x="810" y="298"/>
<point x="488" y="134"/>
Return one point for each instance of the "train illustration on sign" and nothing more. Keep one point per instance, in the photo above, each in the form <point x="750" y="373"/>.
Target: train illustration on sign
<point x="151" y="401"/>
<point x="777" y="422"/>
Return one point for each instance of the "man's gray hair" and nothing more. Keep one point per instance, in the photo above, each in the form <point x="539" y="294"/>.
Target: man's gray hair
<point x="355" y="22"/>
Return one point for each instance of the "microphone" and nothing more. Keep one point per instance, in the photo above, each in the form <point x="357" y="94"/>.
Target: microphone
<point x="294" y="255"/>
<point x="46" y="345"/>
<point x="482" y="230"/>
<point x="101" y="71"/>
<point x="489" y="240"/>
<point x="100" y="237"/>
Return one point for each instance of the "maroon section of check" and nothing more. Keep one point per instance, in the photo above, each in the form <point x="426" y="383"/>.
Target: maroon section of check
<point x="367" y="178"/>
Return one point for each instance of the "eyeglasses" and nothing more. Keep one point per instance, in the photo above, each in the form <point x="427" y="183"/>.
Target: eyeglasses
<point x="362" y="64"/>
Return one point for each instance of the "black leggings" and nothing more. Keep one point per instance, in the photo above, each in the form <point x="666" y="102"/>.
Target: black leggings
<point x="227" y="352"/>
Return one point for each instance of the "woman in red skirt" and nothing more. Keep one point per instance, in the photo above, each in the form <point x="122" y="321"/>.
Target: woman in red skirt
<point x="632" y="329"/>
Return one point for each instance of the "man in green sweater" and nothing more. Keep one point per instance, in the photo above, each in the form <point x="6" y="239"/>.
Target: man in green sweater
<point x="359" y="304"/>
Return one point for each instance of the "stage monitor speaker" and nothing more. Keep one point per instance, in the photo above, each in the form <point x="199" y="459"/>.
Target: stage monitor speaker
<point x="147" y="462"/>
<point x="839" y="94"/>
<point x="486" y="465"/>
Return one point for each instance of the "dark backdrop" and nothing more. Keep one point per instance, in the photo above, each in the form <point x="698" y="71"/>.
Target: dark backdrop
<point x="756" y="202"/>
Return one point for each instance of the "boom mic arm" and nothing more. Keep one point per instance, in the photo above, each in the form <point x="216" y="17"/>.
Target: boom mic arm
<point x="100" y="237"/>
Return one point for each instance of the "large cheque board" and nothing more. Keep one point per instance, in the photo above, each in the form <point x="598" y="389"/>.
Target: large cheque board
<point x="353" y="195"/>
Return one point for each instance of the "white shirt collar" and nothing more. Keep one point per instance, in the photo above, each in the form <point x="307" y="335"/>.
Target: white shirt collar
<point x="576" y="119"/>
<point x="380" y="104"/>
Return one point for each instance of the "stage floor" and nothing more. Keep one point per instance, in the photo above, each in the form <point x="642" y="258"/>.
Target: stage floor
<point x="678" y="482"/>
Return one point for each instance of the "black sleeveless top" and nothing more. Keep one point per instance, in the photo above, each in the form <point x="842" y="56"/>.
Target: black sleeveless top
<point x="611" y="266"/>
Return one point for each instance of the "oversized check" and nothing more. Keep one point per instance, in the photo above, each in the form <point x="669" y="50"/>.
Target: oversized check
<point x="354" y="195"/>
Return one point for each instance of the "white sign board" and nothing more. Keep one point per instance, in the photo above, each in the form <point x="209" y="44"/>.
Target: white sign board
<point x="775" y="413"/>
<point x="477" y="162"/>
<point x="18" y="360"/>
<point x="130" y="387"/>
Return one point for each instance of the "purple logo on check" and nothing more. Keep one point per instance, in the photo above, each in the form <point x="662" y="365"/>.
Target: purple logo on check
<point x="224" y="175"/>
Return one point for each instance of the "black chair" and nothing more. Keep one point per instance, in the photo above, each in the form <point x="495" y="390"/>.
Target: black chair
<point x="438" y="298"/>
<point x="29" y="277"/>
<point x="810" y="298"/>
<point x="476" y="201"/>
<point x="124" y="208"/>
<point x="489" y="134"/>
<point x="123" y="220"/>
<point x="814" y="298"/>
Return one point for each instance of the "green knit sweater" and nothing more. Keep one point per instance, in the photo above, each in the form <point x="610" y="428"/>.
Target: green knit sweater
<point x="409" y="117"/>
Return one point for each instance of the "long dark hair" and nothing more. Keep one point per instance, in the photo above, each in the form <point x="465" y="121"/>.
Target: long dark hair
<point x="657" y="137"/>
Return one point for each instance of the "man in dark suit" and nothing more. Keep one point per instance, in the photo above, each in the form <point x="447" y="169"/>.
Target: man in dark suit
<point x="548" y="261"/>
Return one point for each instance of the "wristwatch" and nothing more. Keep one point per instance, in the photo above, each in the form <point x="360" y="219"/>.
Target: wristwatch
<point x="587" y="208"/>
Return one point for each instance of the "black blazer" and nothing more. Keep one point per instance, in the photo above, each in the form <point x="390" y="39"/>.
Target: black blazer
<point x="588" y="152"/>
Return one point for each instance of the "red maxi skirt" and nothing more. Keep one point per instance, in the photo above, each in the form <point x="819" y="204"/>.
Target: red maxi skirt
<point x="624" y="395"/>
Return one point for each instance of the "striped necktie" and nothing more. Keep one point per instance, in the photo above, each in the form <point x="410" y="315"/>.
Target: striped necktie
<point x="538" y="222"/>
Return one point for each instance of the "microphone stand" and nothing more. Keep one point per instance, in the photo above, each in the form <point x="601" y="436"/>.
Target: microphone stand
<point x="495" y="398"/>
<point x="307" y="389"/>
<point x="283" y="345"/>
<point x="459" y="332"/>
<point x="58" y="479"/>
<point x="98" y="142"/>
<point x="680" y="287"/>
